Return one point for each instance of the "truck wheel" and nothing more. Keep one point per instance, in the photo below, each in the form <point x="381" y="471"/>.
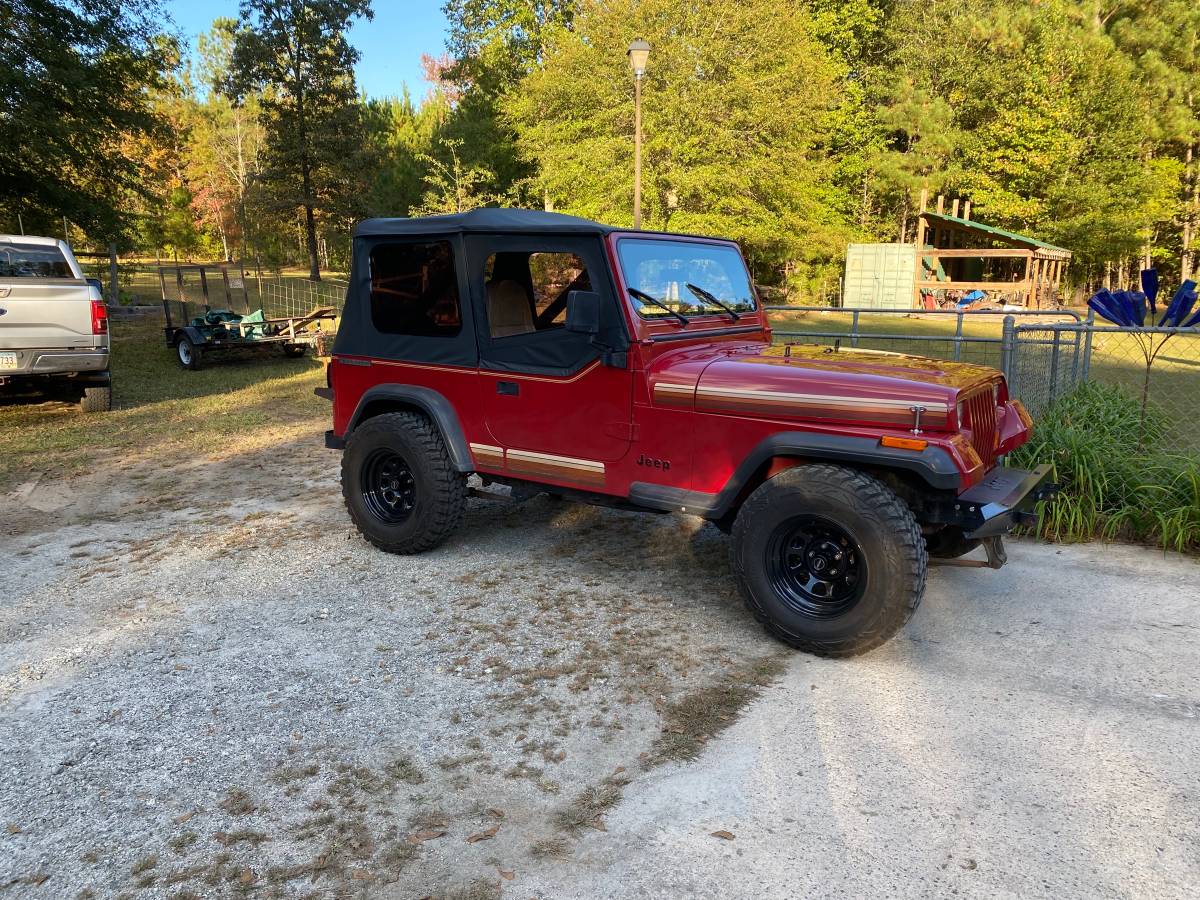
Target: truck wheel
<point x="830" y="560"/>
<point x="189" y="353"/>
<point x="96" y="399"/>
<point x="400" y="486"/>
<point x="949" y="543"/>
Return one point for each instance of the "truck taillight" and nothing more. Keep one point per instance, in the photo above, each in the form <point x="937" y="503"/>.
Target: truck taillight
<point x="99" y="317"/>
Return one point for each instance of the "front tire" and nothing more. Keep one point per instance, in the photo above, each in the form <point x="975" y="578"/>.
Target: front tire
<point x="829" y="559"/>
<point x="400" y="485"/>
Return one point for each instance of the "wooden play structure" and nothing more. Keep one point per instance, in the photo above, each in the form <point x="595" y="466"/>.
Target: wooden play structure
<point x="958" y="258"/>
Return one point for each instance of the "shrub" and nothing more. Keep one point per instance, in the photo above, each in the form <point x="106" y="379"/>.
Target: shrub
<point x="1117" y="480"/>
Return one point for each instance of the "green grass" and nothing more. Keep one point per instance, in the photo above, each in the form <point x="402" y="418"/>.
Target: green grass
<point x="1117" y="478"/>
<point x="228" y="406"/>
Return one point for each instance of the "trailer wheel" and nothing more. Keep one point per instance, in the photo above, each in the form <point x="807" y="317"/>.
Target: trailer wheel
<point x="294" y="351"/>
<point x="189" y="353"/>
<point x="96" y="399"/>
<point x="829" y="559"/>
<point x="400" y="485"/>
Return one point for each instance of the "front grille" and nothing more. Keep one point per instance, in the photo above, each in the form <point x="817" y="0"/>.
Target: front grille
<point x="981" y="419"/>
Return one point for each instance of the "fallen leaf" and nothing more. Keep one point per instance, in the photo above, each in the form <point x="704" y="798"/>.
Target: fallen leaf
<point x="496" y="813"/>
<point x="180" y="819"/>
<point x="969" y="865"/>
<point x="247" y="876"/>
<point x="14" y="828"/>
<point x="723" y="835"/>
<point x="599" y="825"/>
<point x="486" y="835"/>
<point x="420" y="837"/>
<point x="507" y="876"/>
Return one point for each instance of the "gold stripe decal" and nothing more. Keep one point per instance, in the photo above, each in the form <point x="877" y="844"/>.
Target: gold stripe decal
<point x="567" y="468"/>
<point x="485" y="454"/>
<point x="718" y="393"/>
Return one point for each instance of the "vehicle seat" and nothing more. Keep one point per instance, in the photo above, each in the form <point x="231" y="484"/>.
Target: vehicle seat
<point x="508" y="308"/>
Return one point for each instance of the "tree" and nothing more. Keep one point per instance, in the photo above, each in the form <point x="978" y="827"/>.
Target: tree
<point x="75" y="85"/>
<point x="296" y="53"/>
<point x="1038" y="119"/>
<point x="453" y="187"/>
<point x="493" y="44"/>
<point x="736" y="107"/>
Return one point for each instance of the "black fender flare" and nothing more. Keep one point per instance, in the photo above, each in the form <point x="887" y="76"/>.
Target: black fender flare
<point x="932" y="465"/>
<point x="438" y="408"/>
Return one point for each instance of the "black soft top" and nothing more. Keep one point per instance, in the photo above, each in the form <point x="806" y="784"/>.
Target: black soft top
<point x="484" y="220"/>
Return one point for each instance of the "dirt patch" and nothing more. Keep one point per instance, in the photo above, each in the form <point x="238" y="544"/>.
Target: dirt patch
<point x="227" y="681"/>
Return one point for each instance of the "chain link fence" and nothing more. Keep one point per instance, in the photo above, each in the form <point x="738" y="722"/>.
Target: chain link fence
<point x="1157" y="370"/>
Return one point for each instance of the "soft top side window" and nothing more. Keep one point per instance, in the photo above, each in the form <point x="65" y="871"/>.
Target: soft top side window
<point x="414" y="289"/>
<point x="527" y="291"/>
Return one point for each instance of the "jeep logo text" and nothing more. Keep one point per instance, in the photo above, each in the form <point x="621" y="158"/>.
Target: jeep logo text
<point x="651" y="463"/>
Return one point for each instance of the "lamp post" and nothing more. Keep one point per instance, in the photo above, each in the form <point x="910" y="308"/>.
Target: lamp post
<point x="638" y="53"/>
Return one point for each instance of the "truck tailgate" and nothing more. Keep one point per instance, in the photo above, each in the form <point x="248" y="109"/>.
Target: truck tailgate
<point x="45" y="314"/>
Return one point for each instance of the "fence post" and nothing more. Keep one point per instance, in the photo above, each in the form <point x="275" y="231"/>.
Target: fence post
<point x="1055" y="348"/>
<point x="1087" y="344"/>
<point x="204" y="287"/>
<point x="958" y="339"/>
<point x="114" y="293"/>
<point x="854" y="330"/>
<point x="1007" y="346"/>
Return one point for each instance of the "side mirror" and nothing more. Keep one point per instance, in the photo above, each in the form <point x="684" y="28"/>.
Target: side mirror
<point x="583" y="312"/>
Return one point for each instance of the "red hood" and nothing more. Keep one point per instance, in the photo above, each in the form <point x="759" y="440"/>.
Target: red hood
<point x="813" y="382"/>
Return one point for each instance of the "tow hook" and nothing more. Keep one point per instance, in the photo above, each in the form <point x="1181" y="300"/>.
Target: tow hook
<point x="994" y="548"/>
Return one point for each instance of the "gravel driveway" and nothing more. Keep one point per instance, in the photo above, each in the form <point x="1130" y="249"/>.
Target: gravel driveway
<point x="209" y="686"/>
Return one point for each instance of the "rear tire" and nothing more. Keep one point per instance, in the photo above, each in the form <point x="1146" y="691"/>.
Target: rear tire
<point x="96" y="399"/>
<point x="188" y="353"/>
<point x="828" y="559"/>
<point x="400" y="485"/>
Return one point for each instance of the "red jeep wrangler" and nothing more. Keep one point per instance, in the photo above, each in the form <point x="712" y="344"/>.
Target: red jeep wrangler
<point x="637" y="370"/>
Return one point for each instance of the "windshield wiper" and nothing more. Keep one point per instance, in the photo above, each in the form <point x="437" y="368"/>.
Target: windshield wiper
<point x="646" y="298"/>
<point x="702" y="294"/>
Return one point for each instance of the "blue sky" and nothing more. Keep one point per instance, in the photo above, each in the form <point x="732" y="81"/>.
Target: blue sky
<point x="390" y="45"/>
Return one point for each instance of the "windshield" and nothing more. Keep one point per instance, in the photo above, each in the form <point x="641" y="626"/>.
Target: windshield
<point x="664" y="269"/>
<point x="33" y="261"/>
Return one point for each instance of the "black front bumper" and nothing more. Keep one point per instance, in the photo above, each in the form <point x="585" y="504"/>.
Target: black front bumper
<point x="1004" y="499"/>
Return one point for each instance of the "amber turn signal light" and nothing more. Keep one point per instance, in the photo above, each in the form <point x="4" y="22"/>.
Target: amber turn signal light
<point x="901" y="443"/>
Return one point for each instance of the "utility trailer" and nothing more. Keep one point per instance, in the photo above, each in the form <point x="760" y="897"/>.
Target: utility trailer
<point x="221" y="331"/>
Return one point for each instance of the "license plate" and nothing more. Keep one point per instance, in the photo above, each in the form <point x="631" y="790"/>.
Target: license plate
<point x="8" y="360"/>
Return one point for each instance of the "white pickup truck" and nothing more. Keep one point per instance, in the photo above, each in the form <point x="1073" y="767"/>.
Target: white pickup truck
<point x="53" y="324"/>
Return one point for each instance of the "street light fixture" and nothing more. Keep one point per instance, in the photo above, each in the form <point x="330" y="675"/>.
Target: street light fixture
<point x="638" y="53"/>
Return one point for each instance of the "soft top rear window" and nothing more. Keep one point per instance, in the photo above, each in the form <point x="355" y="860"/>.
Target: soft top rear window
<point x="33" y="261"/>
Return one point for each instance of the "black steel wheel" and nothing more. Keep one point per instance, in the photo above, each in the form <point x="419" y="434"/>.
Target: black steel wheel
<point x="816" y="567"/>
<point x="829" y="559"/>
<point x="388" y="488"/>
<point x="400" y="485"/>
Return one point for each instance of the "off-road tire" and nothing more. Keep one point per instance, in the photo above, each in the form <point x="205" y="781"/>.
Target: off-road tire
<point x="949" y="543"/>
<point x="878" y="521"/>
<point x="96" y="399"/>
<point x="440" y="489"/>
<point x="189" y="355"/>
